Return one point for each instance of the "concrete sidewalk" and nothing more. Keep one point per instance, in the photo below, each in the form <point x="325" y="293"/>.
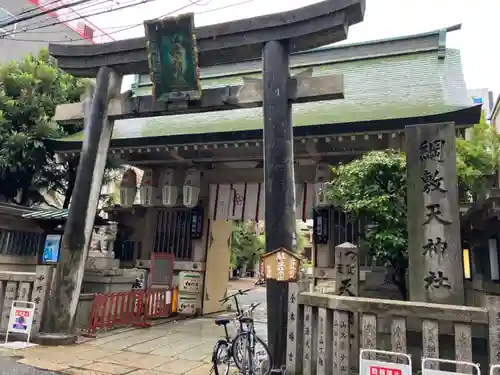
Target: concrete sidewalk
<point x="182" y="347"/>
<point x="173" y="348"/>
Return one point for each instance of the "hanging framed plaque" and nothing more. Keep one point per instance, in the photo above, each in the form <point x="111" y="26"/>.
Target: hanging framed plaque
<point x="173" y="58"/>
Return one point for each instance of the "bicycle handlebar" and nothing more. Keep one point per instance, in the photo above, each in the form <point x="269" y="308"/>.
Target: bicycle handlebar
<point x="239" y="293"/>
<point x="253" y="306"/>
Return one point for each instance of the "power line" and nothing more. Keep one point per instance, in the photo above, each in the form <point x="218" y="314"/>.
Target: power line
<point x="124" y="28"/>
<point x="76" y="18"/>
<point x="41" y="22"/>
<point x="26" y="18"/>
<point x="26" y="11"/>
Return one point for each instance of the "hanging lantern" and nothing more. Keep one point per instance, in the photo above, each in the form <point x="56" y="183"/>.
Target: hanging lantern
<point x="147" y="189"/>
<point x="170" y="191"/>
<point x="320" y="186"/>
<point x="128" y="188"/>
<point x="191" y="188"/>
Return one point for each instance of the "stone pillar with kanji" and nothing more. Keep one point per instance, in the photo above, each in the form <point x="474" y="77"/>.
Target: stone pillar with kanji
<point x="434" y="246"/>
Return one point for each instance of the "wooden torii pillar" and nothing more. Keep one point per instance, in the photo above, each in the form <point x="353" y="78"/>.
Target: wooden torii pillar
<point x="272" y="37"/>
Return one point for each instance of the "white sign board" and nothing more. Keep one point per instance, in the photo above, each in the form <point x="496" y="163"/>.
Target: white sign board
<point x="190" y="282"/>
<point x="428" y="371"/>
<point x="374" y="367"/>
<point x="21" y="319"/>
<point x="188" y="303"/>
<point x="494" y="369"/>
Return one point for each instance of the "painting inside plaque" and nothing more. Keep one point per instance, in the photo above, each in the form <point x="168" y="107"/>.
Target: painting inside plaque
<point x="173" y="58"/>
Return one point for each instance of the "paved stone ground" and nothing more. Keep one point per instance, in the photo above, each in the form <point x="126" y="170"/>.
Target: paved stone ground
<point x="174" y="348"/>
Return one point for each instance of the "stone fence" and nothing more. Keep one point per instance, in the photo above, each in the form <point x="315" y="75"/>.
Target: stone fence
<point x="24" y="286"/>
<point x="325" y="332"/>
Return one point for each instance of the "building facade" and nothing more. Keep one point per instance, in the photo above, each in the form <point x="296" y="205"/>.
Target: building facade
<point x="25" y="37"/>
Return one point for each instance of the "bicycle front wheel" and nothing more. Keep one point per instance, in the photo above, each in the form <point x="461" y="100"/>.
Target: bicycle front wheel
<point x="261" y="357"/>
<point x="221" y="358"/>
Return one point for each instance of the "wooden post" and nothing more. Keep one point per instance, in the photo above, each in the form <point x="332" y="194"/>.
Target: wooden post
<point x="279" y="185"/>
<point x="66" y="285"/>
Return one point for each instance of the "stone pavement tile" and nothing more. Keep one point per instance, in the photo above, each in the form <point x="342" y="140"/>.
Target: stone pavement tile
<point x="197" y="353"/>
<point x="149" y="346"/>
<point x="42" y="364"/>
<point x="123" y="358"/>
<point x="81" y="371"/>
<point x="202" y="370"/>
<point x="95" y="354"/>
<point x="114" y="337"/>
<point x="109" y="368"/>
<point x="179" y="366"/>
<point x="141" y="361"/>
<point x="175" y="349"/>
<point x="149" y="372"/>
<point x="150" y="362"/>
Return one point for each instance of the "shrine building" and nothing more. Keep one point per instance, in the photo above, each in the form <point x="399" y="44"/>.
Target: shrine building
<point x="201" y="171"/>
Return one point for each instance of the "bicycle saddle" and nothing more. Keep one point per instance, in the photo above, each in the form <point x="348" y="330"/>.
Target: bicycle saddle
<point x="246" y="319"/>
<point x="222" y="321"/>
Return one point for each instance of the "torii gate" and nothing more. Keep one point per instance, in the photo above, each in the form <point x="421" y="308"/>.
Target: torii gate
<point x="272" y="37"/>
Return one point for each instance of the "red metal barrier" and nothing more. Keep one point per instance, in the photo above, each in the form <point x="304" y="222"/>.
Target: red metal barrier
<point x="159" y="303"/>
<point x="135" y="308"/>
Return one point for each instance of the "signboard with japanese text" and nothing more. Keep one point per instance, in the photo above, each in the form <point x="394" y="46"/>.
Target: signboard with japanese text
<point x="281" y="265"/>
<point x="21" y="318"/>
<point x="190" y="282"/>
<point x="188" y="303"/>
<point x="162" y="269"/>
<point x="173" y="58"/>
<point x="429" y="366"/>
<point x="378" y="367"/>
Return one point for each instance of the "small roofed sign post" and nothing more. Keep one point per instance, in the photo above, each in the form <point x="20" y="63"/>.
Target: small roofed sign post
<point x="173" y="58"/>
<point x="281" y="265"/>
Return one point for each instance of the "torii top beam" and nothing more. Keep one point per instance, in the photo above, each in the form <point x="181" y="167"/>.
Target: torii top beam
<point x="308" y="27"/>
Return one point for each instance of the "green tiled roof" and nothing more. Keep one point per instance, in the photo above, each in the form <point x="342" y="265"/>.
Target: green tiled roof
<point x="388" y="87"/>
<point x="48" y="214"/>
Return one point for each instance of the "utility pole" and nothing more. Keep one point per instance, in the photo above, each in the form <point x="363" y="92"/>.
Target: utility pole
<point x="279" y="184"/>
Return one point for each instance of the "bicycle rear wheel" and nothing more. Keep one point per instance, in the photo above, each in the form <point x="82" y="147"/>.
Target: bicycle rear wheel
<point x="261" y="356"/>
<point x="221" y="358"/>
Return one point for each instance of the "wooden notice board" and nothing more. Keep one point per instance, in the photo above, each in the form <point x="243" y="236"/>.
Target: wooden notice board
<point x="161" y="272"/>
<point x="281" y="264"/>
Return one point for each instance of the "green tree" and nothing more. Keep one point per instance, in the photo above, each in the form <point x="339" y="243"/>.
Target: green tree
<point x="30" y="90"/>
<point x="373" y="187"/>
<point x="246" y="244"/>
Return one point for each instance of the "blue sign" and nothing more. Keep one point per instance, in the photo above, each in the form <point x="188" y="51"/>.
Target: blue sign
<point x="477" y="100"/>
<point x="51" y="249"/>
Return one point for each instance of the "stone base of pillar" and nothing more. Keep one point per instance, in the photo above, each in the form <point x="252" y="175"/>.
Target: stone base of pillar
<point x="54" y="339"/>
<point x="108" y="281"/>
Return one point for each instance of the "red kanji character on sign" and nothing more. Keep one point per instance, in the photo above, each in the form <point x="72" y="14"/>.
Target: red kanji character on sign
<point x="377" y="370"/>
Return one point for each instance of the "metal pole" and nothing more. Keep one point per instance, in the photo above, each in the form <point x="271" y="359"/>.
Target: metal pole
<point x="66" y="284"/>
<point x="279" y="185"/>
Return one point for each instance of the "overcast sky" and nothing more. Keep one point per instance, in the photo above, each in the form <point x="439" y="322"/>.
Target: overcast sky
<point x="383" y="18"/>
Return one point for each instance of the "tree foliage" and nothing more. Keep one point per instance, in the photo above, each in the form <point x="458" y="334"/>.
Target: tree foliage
<point x="30" y="91"/>
<point x="246" y="244"/>
<point x="373" y="188"/>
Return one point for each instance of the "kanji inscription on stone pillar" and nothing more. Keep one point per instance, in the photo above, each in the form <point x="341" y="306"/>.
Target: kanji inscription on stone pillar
<point x="434" y="247"/>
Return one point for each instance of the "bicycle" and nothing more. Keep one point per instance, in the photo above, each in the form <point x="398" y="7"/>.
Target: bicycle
<point x="241" y="349"/>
